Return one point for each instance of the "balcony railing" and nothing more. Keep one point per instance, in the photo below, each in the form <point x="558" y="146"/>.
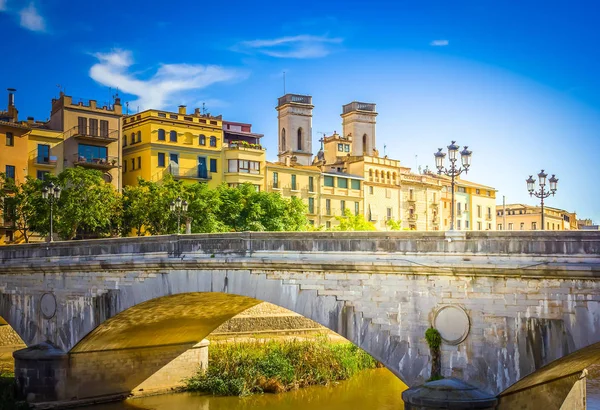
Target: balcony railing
<point x="46" y="162"/>
<point x="188" y="173"/>
<point x="413" y="217"/>
<point x="93" y="134"/>
<point x="295" y="98"/>
<point x="358" y="106"/>
<point x="107" y="162"/>
<point x="411" y="200"/>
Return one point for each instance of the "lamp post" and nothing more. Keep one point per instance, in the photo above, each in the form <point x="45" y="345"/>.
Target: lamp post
<point x="178" y="206"/>
<point x="453" y="171"/>
<point x="52" y="194"/>
<point x="542" y="193"/>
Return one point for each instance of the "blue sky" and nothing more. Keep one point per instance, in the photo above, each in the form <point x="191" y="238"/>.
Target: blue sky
<point x="516" y="81"/>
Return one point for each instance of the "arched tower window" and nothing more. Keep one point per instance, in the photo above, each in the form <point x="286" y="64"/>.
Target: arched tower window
<point x="161" y="134"/>
<point x="213" y="141"/>
<point x="299" y="139"/>
<point x="282" y="148"/>
<point x="364" y="141"/>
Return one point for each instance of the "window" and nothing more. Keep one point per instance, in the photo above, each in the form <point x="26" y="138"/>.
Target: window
<point x="294" y="187"/>
<point x="342" y="182"/>
<point x="82" y="125"/>
<point x="161" y="135"/>
<point x="489" y="193"/>
<point x="355" y="184"/>
<point x="479" y="226"/>
<point x="9" y="236"/>
<point x="328" y="224"/>
<point x="241" y="165"/>
<point x="371" y="190"/>
<point x="458" y="207"/>
<point x="522" y="226"/>
<point x="467" y="224"/>
<point x="213" y="165"/>
<point x="103" y="128"/>
<point x="94" y="127"/>
<point x="466" y="206"/>
<point x="173" y="136"/>
<point x="43" y="154"/>
<point x="461" y="189"/>
<point x="201" y="168"/>
<point x="328" y="206"/>
<point x="282" y="148"/>
<point x="92" y="153"/>
<point x="132" y="139"/>
<point x="132" y="164"/>
<point x="311" y="222"/>
<point x="124" y="141"/>
<point x="139" y="162"/>
<point x="328" y="181"/>
<point x="311" y="184"/>
<point x="489" y="227"/>
<point x="275" y="180"/>
<point x="202" y="139"/>
<point x="489" y="213"/>
<point x="499" y="227"/>
<point x="534" y="226"/>
<point x="174" y="158"/>
<point x="162" y="115"/>
<point x="458" y="224"/>
<point x="547" y="226"/>
<point x="161" y="159"/>
<point x="479" y="211"/>
<point x="389" y="213"/>
<point x="42" y="175"/>
<point x="124" y="165"/>
<point x="139" y="136"/>
<point x="311" y="205"/>
<point x="510" y="226"/>
<point x="356" y="208"/>
<point x="340" y="147"/>
<point x="213" y="141"/>
<point x="173" y="116"/>
<point x="342" y="206"/>
<point x="299" y="139"/>
<point x="411" y="195"/>
<point x="257" y="188"/>
<point x="346" y="148"/>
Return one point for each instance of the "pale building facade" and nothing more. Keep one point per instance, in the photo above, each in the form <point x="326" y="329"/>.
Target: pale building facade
<point x="295" y="128"/>
<point x="522" y="217"/>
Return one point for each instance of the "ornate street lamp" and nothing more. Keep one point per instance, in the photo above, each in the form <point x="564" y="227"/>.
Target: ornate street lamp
<point x="178" y="206"/>
<point x="453" y="171"/>
<point x="52" y="194"/>
<point x="542" y="192"/>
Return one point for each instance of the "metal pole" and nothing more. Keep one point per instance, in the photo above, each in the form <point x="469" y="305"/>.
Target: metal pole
<point x="51" y="218"/>
<point x="178" y="221"/>
<point x="452" y="205"/>
<point x="543" y="209"/>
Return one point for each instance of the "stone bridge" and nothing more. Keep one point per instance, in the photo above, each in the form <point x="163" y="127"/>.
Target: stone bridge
<point x="520" y="311"/>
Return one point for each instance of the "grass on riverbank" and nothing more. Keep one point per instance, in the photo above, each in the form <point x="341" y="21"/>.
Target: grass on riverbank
<point x="241" y="369"/>
<point x="8" y="401"/>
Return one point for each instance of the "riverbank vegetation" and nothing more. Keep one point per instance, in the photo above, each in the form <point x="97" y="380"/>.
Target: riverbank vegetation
<point x="8" y="400"/>
<point x="242" y="369"/>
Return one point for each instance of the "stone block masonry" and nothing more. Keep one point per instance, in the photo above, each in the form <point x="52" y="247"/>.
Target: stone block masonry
<point x="532" y="298"/>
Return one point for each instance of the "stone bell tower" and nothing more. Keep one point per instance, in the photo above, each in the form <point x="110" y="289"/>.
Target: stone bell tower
<point x="295" y="128"/>
<point x="358" y="120"/>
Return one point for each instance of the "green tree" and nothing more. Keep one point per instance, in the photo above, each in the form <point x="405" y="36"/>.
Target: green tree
<point x="160" y="220"/>
<point x="25" y="207"/>
<point x="394" y="224"/>
<point x="351" y="222"/>
<point x="136" y="200"/>
<point x="203" y="208"/>
<point x="88" y="206"/>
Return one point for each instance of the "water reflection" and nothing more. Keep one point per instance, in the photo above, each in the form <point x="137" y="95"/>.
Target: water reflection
<point x="376" y="389"/>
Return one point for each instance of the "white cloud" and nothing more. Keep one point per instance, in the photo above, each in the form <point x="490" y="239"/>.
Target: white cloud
<point x="168" y="83"/>
<point x="302" y="46"/>
<point x="2" y="5"/>
<point x="31" y="19"/>
<point x="439" y="43"/>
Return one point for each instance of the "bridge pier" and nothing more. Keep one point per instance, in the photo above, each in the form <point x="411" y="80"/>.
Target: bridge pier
<point x="45" y="373"/>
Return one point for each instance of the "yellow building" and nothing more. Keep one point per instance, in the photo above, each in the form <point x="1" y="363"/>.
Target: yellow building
<point x="480" y="205"/>
<point x="187" y="146"/>
<point x="521" y="217"/>
<point x="421" y="199"/>
<point x="244" y="163"/>
<point x="91" y="135"/>
<point x="45" y="150"/>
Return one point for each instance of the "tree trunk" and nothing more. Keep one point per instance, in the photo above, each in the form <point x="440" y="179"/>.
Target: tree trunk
<point x="436" y="364"/>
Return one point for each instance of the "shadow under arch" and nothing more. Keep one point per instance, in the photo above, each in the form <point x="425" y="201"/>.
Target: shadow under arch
<point x="142" y="341"/>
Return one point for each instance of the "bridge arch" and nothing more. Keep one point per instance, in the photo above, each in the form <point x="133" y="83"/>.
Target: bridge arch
<point x="174" y="312"/>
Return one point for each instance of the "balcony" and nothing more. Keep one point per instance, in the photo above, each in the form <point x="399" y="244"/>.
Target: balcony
<point x="45" y="162"/>
<point x="93" y="134"/>
<point x="411" y="201"/>
<point x="358" y="106"/>
<point x="294" y="98"/>
<point x="412" y="217"/>
<point x="188" y="173"/>
<point x="435" y="205"/>
<point x="104" y="163"/>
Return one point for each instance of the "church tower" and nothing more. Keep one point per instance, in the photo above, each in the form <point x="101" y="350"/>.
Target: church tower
<point x="295" y="128"/>
<point x="358" y="121"/>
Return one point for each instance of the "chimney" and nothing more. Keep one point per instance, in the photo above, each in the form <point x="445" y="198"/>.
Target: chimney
<point x="287" y="161"/>
<point x="182" y="110"/>
<point x="11" y="96"/>
<point x="197" y="112"/>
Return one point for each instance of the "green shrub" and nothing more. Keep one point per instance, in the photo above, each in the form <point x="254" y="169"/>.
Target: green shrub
<point x="240" y="369"/>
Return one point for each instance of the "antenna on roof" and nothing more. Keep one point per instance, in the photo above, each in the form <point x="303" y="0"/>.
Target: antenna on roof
<point x="384" y="148"/>
<point x="127" y="105"/>
<point x="203" y="109"/>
